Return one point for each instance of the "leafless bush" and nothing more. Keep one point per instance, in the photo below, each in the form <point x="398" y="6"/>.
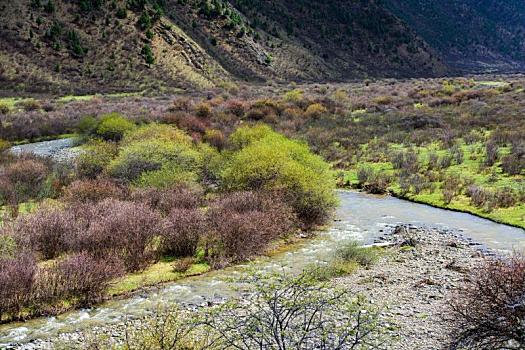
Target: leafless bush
<point x="84" y="191"/>
<point x="179" y="197"/>
<point x="22" y="179"/>
<point x="491" y="153"/>
<point x="17" y="276"/>
<point x="295" y="313"/>
<point x="181" y="231"/>
<point x="124" y="229"/>
<point x="45" y="231"/>
<point x="85" y="278"/>
<point x="242" y="224"/>
<point x="488" y="312"/>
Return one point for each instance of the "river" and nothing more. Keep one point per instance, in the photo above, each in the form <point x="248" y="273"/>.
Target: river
<point x="360" y="217"/>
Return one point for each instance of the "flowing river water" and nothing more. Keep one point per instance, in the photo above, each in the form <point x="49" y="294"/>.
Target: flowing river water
<point x="360" y="217"/>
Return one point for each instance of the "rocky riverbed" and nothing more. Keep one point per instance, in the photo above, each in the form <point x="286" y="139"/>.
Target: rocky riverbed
<point x="411" y="283"/>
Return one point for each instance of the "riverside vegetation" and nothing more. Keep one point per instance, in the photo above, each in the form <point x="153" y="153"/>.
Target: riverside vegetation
<point x="170" y="187"/>
<point x="142" y="194"/>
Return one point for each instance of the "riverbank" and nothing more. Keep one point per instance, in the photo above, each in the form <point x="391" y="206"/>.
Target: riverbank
<point x="411" y="282"/>
<point x="459" y="206"/>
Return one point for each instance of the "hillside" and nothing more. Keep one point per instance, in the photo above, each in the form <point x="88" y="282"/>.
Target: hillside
<point x="86" y="46"/>
<point x="471" y="35"/>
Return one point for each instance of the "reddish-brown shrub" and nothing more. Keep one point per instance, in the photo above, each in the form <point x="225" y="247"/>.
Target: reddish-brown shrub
<point x="44" y="231"/>
<point x="242" y="224"/>
<point x="86" y="278"/>
<point x="84" y="191"/>
<point x="165" y="201"/>
<point x="122" y="229"/>
<point x="488" y="312"/>
<point x="17" y="276"/>
<point x="22" y="179"/>
<point x="181" y="231"/>
<point x="236" y="107"/>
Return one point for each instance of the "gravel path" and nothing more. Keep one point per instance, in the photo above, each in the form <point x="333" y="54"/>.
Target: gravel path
<point x="413" y="284"/>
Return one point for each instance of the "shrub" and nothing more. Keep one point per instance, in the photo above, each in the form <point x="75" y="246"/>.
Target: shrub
<point x="295" y="95"/>
<point x="85" y="191"/>
<point x="487" y="312"/>
<point x="87" y="125"/>
<point x="477" y="195"/>
<point x="273" y="162"/>
<point x="44" y="231"/>
<point x="182" y="265"/>
<point x="215" y="138"/>
<point x="17" y="276"/>
<point x="245" y="136"/>
<point x="513" y="164"/>
<point x="29" y="105"/>
<point x="22" y="179"/>
<point x="113" y="126"/>
<point x="491" y="153"/>
<point x="178" y="197"/>
<point x="8" y="246"/>
<point x="242" y="224"/>
<point x="181" y="231"/>
<point x="167" y="176"/>
<point x="4" y="108"/>
<point x="203" y="110"/>
<point x="154" y="131"/>
<point x="4" y="145"/>
<point x="315" y="110"/>
<point x="86" y="278"/>
<point x="94" y="158"/>
<point x="122" y="229"/>
<point x="150" y="155"/>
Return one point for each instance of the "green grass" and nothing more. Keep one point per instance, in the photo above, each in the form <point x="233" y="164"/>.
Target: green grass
<point x="160" y="272"/>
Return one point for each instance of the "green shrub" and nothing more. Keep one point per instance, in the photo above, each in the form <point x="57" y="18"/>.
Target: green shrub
<point x="94" y="157"/>
<point x="156" y="131"/>
<point x="167" y="176"/>
<point x="4" y="108"/>
<point x="147" y="53"/>
<point x="244" y="136"/>
<point x="158" y="157"/>
<point x="4" y="145"/>
<point x="87" y="125"/>
<point x="113" y="126"/>
<point x="272" y="162"/>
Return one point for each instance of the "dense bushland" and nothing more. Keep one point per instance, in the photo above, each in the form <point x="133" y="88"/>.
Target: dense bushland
<point x="141" y="193"/>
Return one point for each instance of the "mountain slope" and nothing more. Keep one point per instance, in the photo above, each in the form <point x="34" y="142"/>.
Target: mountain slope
<point x="473" y="35"/>
<point x="81" y="46"/>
